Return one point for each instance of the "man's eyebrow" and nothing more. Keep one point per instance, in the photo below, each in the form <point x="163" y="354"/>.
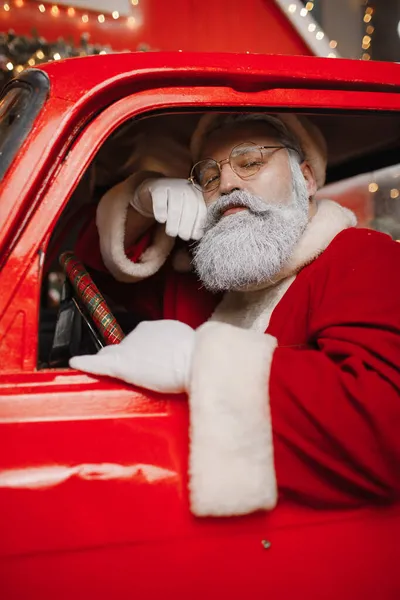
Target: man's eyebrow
<point x="252" y="146"/>
<point x="206" y="162"/>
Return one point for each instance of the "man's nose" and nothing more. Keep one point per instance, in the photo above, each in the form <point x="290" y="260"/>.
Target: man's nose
<point x="229" y="181"/>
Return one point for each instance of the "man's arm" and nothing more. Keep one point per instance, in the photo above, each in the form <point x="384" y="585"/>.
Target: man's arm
<point x="133" y="224"/>
<point x="336" y="408"/>
<point x="136" y="224"/>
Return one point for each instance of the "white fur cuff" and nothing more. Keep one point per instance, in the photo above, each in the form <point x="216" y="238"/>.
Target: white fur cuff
<point x="111" y="220"/>
<point x="231" y="456"/>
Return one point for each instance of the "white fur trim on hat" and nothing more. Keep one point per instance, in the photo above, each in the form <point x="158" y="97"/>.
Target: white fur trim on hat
<point x="231" y="463"/>
<point x="309" y="137"/>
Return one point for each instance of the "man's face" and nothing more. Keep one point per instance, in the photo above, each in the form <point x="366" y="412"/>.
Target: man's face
<point x="254" y="223"/>
<point x="272" y="183"/>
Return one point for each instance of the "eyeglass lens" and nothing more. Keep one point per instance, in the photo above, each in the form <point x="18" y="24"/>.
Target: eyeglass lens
<point x="245" y="160"/>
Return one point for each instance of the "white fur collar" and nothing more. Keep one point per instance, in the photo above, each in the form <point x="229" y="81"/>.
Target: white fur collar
<point x="330" y="219"/>
<point x="251" y="310"/>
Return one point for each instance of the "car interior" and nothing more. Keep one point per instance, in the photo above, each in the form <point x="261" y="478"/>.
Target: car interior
<point x="77" y="318"/>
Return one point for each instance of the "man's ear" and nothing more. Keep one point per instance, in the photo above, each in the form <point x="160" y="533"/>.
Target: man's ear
<point x="310" y="179"/>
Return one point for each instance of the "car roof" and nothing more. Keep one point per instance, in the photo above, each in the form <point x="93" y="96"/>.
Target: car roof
<point x="72" y="78"/>
<point x="354" y="145"/>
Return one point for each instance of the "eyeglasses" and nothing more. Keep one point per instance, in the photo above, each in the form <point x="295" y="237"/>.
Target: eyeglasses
<point x="245" y="160"/>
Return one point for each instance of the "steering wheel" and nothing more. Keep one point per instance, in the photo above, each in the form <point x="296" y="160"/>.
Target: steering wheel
<point x="89" y="297"/>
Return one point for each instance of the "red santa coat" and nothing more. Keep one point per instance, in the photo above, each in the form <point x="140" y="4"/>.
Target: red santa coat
<point x="295" y="388"/>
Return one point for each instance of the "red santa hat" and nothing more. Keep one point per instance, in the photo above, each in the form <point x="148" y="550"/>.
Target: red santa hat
<point x="305" y="135"/>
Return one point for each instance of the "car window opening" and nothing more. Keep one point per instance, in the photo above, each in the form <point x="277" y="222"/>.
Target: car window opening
<point x="363" y="175"/>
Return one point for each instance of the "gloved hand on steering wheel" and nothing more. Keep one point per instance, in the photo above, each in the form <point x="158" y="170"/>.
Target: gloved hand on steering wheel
<point x="175" y="202"/>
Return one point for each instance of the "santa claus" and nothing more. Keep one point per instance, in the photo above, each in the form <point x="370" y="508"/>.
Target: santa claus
<point x="283" y="328"/>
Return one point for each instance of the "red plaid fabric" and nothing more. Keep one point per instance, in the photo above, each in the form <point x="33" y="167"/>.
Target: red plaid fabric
<point x="91" y="298"/>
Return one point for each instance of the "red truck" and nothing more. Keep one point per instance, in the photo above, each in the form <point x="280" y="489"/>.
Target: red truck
<point x="93" y="472"/>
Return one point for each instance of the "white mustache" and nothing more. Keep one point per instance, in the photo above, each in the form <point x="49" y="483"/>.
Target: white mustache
<point x="236" y="199"/>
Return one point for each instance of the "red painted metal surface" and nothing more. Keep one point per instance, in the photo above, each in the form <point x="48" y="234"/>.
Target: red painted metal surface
<point x="93" y="473"/>
<point x="94" y="504"/>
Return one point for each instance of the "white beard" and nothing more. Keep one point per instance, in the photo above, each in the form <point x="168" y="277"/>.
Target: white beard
<point x="250" y="247"/>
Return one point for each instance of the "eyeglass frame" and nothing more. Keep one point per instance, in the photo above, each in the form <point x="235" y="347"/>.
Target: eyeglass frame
<point x="191" y="178"/>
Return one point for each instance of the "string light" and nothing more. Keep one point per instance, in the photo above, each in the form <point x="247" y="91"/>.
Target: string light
<point x="19" y="68"/>
<point x="333" y="43"/>
<point x="369" y="30"/>
<point x="56" y="56"/>
<point x="373" y="187"/>
<point x="56" y="11"/>
<point x="394" y="193"/>
<point x="366" y="42"/>
<point x="300" y="15"/>
<point x="31" y="62"/>
<point x="10" y="66"/>
<point x="40" y="54"/>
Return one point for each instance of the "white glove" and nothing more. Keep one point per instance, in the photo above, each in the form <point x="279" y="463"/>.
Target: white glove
<point x="157" y="355"/>
<point x="175" y="202"/>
